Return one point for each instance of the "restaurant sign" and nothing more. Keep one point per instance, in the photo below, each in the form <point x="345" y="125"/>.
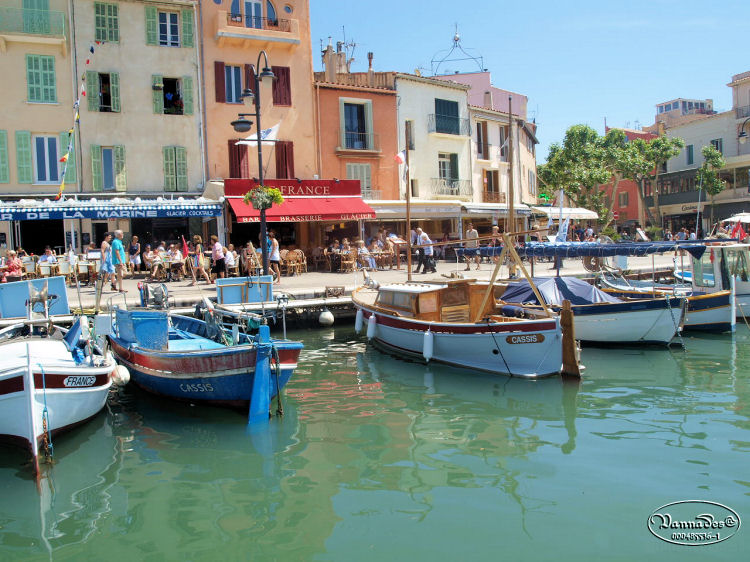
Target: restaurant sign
<point x="103" y="213"/>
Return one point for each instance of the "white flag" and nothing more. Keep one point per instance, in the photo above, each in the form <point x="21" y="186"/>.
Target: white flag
<point x="562" y="233"/>
<point x="266" y="136"/>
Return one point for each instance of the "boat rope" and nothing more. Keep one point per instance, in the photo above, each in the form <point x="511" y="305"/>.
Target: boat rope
<point x="46" y="437"/>
<point x="678" y="332"/>
<point x="743" y="315"/>
<point x="492" y="333"/>
<point x="277" y="361"/>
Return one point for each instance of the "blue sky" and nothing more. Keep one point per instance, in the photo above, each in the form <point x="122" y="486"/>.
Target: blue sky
<point x="578" y="61"/>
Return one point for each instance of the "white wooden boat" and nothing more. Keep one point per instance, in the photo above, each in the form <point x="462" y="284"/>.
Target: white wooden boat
<point x="50" y="383"/>
<point x="434" y="321"/>
<point x="599" y="317"/>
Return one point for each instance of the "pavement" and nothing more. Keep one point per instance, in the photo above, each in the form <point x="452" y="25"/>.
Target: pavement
<point x="314" y="283"/>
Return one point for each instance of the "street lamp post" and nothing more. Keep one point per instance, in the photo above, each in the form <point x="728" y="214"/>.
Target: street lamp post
<point x="742" y="135"/>
<point x="242" y="125"/>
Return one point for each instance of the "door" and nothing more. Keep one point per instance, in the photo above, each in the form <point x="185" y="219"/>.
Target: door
<point x="36" y="16"/>
<point x="100" y="229"/>
<point x="253" y="14"/>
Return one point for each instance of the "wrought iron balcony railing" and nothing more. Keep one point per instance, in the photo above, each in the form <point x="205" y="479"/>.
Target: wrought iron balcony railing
<point x="448" y="124"/>
<point x="359" y="141"/>
<point x="742" y="112"/>
<point x="258" y="22"/>
<point x="451" y="187"/>
<point x="494" y="197"/>
<point x="33" y="22"/>
<point x="484" y="151"/>
<point x="372" y="194"/>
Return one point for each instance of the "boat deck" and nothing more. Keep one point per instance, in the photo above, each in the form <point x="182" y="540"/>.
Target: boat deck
<point x="180" y="340"/>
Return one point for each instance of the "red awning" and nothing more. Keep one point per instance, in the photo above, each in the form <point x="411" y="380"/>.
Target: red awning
<point x="304" y="209"/>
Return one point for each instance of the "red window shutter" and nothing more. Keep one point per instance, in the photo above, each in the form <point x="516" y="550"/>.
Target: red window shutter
<point x="284" y="159"/>
<point x="221" y="90"/>
<point x="238" y="163"/>
<point x="282" y="86"/>
<point x="250" y="78"/>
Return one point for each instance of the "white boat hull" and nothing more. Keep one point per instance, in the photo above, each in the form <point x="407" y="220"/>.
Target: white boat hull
<point x="528" y="349"/>
<point x="638" y="326"/>
<point x="70" y="393"/>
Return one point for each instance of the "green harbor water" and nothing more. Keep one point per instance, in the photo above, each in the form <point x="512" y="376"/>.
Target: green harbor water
<point x="377" y="458"/>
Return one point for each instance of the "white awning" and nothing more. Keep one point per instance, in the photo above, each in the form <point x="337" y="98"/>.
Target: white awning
<point x="396" y="209"/>
<point x="741" y="217"/>
<point x="493" y="209"/>
<point x="567" y="212"/>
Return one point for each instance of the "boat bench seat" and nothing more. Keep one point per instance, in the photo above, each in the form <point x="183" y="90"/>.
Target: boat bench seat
<point x="193" y="344"/>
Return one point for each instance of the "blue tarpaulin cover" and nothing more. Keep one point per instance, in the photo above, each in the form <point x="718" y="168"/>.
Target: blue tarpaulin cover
<point x="555" y="290"/>
<point x="583" y="249"/>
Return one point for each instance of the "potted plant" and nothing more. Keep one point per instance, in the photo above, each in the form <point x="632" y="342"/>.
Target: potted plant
<point x="262" y="197"/>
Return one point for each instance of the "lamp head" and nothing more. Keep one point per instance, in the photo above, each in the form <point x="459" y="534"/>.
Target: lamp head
<point x="742" y="137"/>
<point x="266" y="73"/>
<point x="241" y="125"/>
<point x="247" y="93"/>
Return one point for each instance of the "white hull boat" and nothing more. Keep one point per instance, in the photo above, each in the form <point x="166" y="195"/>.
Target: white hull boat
<point x="433" y="322"/>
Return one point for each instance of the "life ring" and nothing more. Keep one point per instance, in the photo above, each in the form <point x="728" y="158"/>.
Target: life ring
<point x="592" y="263"/>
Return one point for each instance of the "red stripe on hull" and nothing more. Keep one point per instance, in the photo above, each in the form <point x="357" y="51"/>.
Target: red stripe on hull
<point x="11" y="385"/>
<point x="495" y="328"/>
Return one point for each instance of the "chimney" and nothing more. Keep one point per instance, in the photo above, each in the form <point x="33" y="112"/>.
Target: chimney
<point x="329" y="65"/>
<point x="370" y="71"/>
<point x="488" y="99"/>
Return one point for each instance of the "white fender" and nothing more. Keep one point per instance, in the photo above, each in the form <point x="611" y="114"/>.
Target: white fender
<point x="359" y="321"/>
<point x="121" y="375"/>
<point x="326" y="318"/>
<point x="372" y="325"/>
<point x="427" y="345"/>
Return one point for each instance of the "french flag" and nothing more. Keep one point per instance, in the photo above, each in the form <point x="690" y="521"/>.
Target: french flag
<point x="401" y="157"/>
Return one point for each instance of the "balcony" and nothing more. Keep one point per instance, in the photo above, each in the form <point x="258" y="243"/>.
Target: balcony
<point x="359" y="143"/>
<point x="448" y="125"/>
<point x="742" y="112"/>
<point x="494" y="197"/>
<point x="32" y="26"/>
<point x="254" y="32"/>
<point x="376" y="194"/>
<point x="451" y="188"/>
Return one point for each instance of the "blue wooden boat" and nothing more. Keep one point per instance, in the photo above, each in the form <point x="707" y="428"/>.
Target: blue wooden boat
<point x="195" y="360"/>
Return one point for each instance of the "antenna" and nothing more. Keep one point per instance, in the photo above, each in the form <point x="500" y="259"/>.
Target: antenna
<point x="444" y="56"/>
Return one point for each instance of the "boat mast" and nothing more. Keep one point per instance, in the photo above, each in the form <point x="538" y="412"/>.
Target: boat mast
<point x="511" y="209"/>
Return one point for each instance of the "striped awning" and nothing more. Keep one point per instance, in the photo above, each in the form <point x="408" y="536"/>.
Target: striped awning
<point x="121" y="208"/>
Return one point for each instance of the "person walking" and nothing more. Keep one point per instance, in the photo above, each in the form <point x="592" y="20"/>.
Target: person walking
<point x="107" y="269"/>
<point x="416" y="242"/>
<point x="472" y="247"/>
<point x="426" y="245"/>
<point x="118" y="259"/>
<point x="217" y="255"/>
<point x="274" y="256"/>
<point x="198" y="262"/>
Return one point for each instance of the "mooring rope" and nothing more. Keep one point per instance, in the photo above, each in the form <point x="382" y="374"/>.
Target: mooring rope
<point x="47" y="438"/>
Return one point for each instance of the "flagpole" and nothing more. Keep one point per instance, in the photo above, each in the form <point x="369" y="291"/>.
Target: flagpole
<point x="408" y="202"/>
<point x="511" y="189"/>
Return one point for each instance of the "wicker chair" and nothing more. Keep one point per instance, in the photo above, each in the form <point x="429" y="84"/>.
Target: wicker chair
<point x="29" y="268"/>
<point x="349" y="261"/>
<point x="301" y="261"/>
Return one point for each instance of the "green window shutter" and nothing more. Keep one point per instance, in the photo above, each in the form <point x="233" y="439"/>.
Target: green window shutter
<point x="121" y="178"/>
<point x="92" y="90"/>
<point x="49" y="85"/>
<point x="187" y="95"/>
<point x="114" y="90"/>
<point x="33" y="78"/>
<point x="100" y="21"/>
<point x="23" y="157"/>
<point x="454" y="166"/>
<point x="187" y="28"/>
<point x="170" y="175"/>
<point x="96" y="167"/>
<point x="181" y="168"/>
<point x="66" y="139"/>
<point x="152" y="28"/>
<point x="113" y="23"/>
<point x="158" y="79"/>
<point x="4" y="164"/>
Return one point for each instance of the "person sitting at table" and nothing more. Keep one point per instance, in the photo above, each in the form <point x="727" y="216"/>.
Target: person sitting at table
<point x="157" y="262"/>
<point x="175" y="263"/>
<point x="14" y="266"/>
<point x="21" y="252"/>
<point x="366" y="259"/>
<point x="148" y="257"/>
<point x="230" y="256"/>
<point x="48" y="256"/>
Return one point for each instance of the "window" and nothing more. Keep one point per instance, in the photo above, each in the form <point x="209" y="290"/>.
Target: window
<point x="40" y="79"/>
<point x="172" y="96"/>
<point x="361" y="172"/>
<point x="718" y="144"/>
<point x="253" y="13"/>
<point x="483" y="148"/>
<point x="446" y="117"/>
<point x="356" y="134"/>
<point x="46" y="165"/>
<point x="175" y="168"/>
<point x="169" y="29"/>
<point x="447" y="166"/>
<point x="238" y="160"/>
<point x="282" y="86"/>
<point x="233" y="84"/>
<point x="503" y="143"/>
<point x="103" y="91"/>
<point x="532" y="182"/>
<point x="106" y="24"/>
<point x="284" y="159"/>
<point x="491" y="181"/>
<point x="108" y="171"/>
<point x="622" y="199"/>
<point x="689" y="154"/>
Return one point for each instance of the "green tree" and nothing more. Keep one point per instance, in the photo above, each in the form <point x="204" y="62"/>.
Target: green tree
<point x="708" y="174"/>
<point x="640" y="168"/>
